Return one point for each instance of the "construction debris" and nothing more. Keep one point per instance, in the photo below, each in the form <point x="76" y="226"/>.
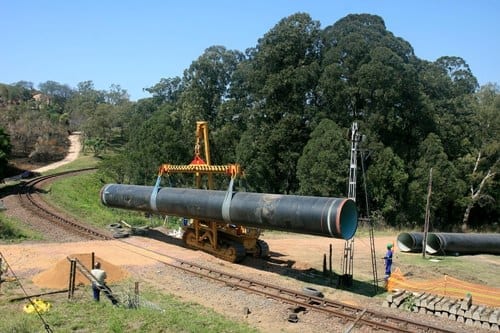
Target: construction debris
<point x="460" y="310"/>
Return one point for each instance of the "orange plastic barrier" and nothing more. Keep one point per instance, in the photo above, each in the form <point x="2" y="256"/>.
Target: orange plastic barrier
<point x="446" y="286"/>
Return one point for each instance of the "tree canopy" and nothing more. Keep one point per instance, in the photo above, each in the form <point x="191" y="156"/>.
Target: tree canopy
<point x="282" y="109"/>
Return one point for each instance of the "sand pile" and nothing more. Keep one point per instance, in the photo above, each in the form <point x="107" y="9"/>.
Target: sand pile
<point x="57" y="277"/>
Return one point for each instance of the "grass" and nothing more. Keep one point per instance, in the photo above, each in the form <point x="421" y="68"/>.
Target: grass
<point x="13" y="231"/>
<point x="80" y="197"/>
<point x="460" y="267"/>
<point x="82" y="162"/>
<point x="158" y="313"/>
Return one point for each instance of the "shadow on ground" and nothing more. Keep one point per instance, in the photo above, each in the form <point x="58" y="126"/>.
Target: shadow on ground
<point x="286" y="268"/>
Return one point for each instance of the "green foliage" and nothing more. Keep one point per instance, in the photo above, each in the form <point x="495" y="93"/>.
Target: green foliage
<point x="5" y="150"/>
<point x="80" y="197"/>
<point x="206" y="85"/>
<point x="387" y="179"/>
<point x="445" y="184"/>
<point x="12" y="231"/>
<point x="167" y="90"/>
<point x="168" y="315"/>
<point x="156" y="141"/>
<point x="480" y="166"/>
<point x="409" y="303"/>
<point x="95" y="145"/>
<point x="8" y="231"/>
<point x="322" y="168"/>
<point x="280" y="79"/>
<point x="59" y="93"/>
<point x="279" y="110"/>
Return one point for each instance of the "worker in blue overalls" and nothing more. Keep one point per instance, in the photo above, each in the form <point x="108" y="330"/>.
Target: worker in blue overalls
<point x="388" y="262"/>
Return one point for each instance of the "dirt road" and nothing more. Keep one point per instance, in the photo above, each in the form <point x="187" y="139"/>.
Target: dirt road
<point x="73" y="152"/>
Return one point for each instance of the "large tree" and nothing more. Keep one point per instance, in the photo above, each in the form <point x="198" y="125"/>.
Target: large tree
<point x="371" y="75"/>
<point x="446" y="186"/>
<point x="262" y="107"/>
<point x="387" y="180"/>
<point x="206" y="85"/>
<point x="482" y="163"/>
<point x="154" y="142"/>
<point x="280" y="78"/>
<point x="448" y="86"/>
<point x="167" y="90"/>
<point x="324" y="164"/>
<point x="58" y="93"/>
<point x="83" y="103"/>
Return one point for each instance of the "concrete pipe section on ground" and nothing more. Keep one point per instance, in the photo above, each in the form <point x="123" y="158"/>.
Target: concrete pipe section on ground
<point x="457" y="243"/>
<point x="442" y="243"/>
<point x="410" y="241"/>
<point x="323" y="216"/>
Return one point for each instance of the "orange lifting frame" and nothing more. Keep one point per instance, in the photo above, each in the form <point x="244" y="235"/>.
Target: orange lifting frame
<point x="198" y="166"/>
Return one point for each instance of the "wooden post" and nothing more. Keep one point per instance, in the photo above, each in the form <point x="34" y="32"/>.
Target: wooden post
<point x="72" y="275"/>
<point x="69" y="281"/>
<point x="73" y="284"/>
<point x="427" y="214"/>
<point x="324" y="264"/>
<point x="92" y="263"/>
<point x="1" y="272"/>
<point x="136" y="294"/>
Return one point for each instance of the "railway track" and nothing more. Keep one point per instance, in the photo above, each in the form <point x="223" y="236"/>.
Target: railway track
<point x="351" y="316"/>
<point x="304" y="301"/>
<point x="29" y="198"/>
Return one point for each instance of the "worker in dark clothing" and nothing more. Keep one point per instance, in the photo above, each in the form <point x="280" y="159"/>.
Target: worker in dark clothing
<point x="388" y="261"/>
<point x="100" y="277"/>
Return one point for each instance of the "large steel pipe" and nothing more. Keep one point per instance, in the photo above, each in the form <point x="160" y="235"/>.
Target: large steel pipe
<point x="410" y="241"/>
<point x="456" y="243"/>
<point x="333" y="217"/>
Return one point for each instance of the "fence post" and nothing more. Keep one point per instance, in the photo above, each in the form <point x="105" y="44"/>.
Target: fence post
<point x="72" y="275"/>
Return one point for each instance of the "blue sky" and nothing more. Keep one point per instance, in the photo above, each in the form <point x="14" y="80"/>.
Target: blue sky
<point x="136" y="43"/>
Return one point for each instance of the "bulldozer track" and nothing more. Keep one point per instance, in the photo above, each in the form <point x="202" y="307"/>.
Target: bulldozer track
<point x="351" y="316"/>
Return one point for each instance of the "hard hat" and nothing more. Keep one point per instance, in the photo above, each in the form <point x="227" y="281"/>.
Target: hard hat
<point x="389" y="245"/>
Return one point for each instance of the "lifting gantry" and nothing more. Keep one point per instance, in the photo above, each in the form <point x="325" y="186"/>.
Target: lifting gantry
<point x="227" y="241"/>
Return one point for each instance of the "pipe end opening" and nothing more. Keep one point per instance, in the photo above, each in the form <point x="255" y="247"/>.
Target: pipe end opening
<point x="348" y="219"/>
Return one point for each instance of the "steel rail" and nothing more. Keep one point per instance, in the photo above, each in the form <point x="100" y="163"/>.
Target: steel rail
<point x="370" y="318"/>
<point x="29" y="202"/>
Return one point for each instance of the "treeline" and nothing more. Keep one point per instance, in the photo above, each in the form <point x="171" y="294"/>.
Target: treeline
<point x="35" y="122"/>
<point x="283" y="108"/>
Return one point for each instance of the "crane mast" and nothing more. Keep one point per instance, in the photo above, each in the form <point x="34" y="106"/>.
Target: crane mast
<point x="348" y="258"/>
<point x="355" y="138"/>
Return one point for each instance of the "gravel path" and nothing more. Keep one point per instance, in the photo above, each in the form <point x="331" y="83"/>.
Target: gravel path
<point x="73" y="152"/>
